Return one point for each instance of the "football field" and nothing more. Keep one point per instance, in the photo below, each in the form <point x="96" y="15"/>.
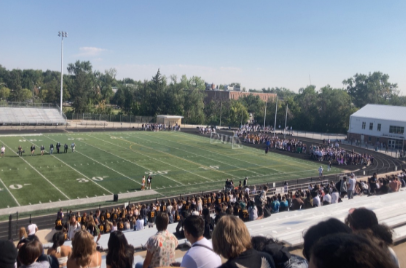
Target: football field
<point x="114" y="162"/>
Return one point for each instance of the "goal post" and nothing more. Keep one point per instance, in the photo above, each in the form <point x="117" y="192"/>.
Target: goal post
<point x="215" y="138"/>
<point x="225" y="139"/>
<point x="236" y="143"/>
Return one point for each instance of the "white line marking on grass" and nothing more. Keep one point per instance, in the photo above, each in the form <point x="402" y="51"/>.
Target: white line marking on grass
<point x="249" y="150"/>
<point x="10" y="193"/>
<point x="163" y="161"/>
<point x="200" y="156"/>
<point x="129" y="161"/>
<point x="78" y="171"/>
<point x="37" y="171"/>
<point x="155" y="160"/>
<point x="106" y="166"/>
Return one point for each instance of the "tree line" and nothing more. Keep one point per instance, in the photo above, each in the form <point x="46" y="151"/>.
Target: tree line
<point x="90" y="91"/>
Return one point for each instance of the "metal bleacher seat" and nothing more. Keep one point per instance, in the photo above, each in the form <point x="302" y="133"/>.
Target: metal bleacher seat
<point x="289" y="227"/>
<point x="30" y="116"/>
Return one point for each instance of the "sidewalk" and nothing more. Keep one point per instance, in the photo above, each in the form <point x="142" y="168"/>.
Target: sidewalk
<point x="66" y="203"/>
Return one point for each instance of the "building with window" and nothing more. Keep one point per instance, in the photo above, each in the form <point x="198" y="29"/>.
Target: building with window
<point x="378" y="124"/>
<point x="219" y="95"/>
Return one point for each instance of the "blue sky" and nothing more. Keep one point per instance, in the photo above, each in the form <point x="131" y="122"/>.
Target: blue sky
<point x="257" y="43"/>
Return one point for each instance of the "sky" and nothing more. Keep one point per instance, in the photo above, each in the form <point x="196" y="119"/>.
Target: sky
<point x="259" y="44"/>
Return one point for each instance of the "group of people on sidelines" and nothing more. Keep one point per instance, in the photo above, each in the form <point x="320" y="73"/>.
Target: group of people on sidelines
<point x="20" y="149"/>
<point x="159" y="127"/>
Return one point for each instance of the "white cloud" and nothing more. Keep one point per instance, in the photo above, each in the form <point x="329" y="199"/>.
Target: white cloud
<point x="90" y="51"/>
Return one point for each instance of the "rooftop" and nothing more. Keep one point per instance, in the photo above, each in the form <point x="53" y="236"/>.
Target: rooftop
<point x="385" y="112"/>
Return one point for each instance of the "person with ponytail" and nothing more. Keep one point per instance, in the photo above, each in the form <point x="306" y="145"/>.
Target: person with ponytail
<point x="58" y="250"/>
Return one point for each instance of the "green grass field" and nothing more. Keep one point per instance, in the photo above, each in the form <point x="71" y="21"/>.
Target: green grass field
<point x="114" y="162"/>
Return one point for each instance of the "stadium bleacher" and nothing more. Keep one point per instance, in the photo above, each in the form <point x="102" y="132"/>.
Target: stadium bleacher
<point x="289" y="226"/>
<point x="31" y="116"/>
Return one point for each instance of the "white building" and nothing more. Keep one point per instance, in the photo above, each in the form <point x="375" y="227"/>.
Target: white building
<point x="378" y="124"/>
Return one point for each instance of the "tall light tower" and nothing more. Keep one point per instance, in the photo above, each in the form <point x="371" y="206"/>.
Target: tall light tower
<point x="62" y="35"/>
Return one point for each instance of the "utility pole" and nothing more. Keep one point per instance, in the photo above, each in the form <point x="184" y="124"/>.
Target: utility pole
<point x="62" y="35"/>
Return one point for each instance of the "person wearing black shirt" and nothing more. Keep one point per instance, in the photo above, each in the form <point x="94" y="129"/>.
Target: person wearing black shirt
<point x="32" y="149"/>
<point x="58" y="145"/>
<point x="151" y="217"/>
<point x="51" y="148"/>
<point x="42" y="149"/>
<point x="65" y="148"/>
<point x="372" y="184"/>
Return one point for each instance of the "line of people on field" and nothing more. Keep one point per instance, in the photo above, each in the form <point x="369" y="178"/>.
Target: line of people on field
<point x="58" y="146"/>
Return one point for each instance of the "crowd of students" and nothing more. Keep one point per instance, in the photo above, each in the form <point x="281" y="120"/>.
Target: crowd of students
<point x="193" y="216"/>
<point x="358" y="242"/>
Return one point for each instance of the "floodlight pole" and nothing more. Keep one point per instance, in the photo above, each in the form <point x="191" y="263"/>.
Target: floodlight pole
<point x="276" y="112"/>
<point x="286" y="119"/>
<point x="62" y="34"/>
<point x="266" y="103"/>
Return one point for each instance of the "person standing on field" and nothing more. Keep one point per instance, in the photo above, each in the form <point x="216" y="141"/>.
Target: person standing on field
<point x="42" y="149"/>
<point x="51" y="148"/>
<point x="143" y="183"/>
<point x="32" y="149"/>
<point x="3" y="151"/>
<point x="149" y="181"/>
<point x="73" y="145"/>
<point x="320" y="172"/>
<point x="65" y="148"/>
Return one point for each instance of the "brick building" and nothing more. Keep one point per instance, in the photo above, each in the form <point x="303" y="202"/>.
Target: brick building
<point x="379" y="124"/>
<point x="235" y="95"/>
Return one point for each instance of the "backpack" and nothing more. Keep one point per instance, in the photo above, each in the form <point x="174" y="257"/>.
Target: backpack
<point x="257" y="199"/>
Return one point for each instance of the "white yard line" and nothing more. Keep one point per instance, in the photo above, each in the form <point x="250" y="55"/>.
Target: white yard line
<point x="197" y="155"/>
<point x="10" y="193"/>
<point x="129" y="160"/>
<point x="248" y="149"/>
<point x="78" y="171"/>
<point x="156" y="159"/>
<point x="103" y="165"/>
<point x="22" y="158"/>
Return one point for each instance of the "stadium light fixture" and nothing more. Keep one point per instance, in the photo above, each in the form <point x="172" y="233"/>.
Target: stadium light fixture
<point x="62" y="34"/>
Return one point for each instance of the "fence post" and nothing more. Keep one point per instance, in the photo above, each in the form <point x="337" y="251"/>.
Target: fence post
<point x="10" y="218"/>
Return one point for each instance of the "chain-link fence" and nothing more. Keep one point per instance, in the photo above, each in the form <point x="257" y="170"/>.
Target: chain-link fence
<point x="111" y="118"/>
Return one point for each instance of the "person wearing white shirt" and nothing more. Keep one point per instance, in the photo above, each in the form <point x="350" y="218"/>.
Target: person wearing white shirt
<point x="32" y="229"/>
<point x="201" y="254"/>
<point x="327" y="199"/>
<point x="320" y="171"/>
<point x="351" y="186"/>
<point x="139" y="224"/>
<point x="247" y="190"/>
<point x="316" y="201"/>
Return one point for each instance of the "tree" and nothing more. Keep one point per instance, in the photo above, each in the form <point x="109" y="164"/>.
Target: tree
<point x="80" y="85"/>
<point x="371" y="88"/>
<point x="238" y="113"/>
<point x="4" y="93"/>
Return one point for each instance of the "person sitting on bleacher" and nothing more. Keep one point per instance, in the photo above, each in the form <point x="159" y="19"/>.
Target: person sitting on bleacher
<point x="363" y="219"/>
<point x="280" y="254"/>
<point x="84" y="253"/>
<point x="161" y="246"/>
<point x="120" y="254"/>
<point x="201" y="254"/>
<point x="232" y="240"/>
